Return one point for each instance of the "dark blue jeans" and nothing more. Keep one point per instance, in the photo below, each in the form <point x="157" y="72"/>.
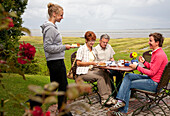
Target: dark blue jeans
<point x="58" y="74"/>
<point x="136" y="81"/>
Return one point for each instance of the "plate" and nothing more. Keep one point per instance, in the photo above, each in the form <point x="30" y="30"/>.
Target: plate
<point x="75" y="45"/>
<point x="113" y="64"/>
<point x="101" y="64"/>
<point x="120" y="65"/>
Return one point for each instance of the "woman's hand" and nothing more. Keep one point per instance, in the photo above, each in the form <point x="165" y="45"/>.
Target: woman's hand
<point x="141" y="59"/>
<point x="94" y="63"/>
<point x="133" y="66"/>
<point x="80" y="63"/>
<point x="68" y="46"/>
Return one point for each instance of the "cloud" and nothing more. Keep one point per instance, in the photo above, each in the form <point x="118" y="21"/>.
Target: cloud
<point x="99" y="14"/>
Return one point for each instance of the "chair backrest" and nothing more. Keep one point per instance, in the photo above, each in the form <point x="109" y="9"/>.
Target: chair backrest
<point x="165" y="78"/>
<point x="73" y="56"/>
<point x="147" y="55"/>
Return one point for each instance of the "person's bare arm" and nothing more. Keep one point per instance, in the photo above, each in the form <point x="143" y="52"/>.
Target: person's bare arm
<point x="80" y="63"/>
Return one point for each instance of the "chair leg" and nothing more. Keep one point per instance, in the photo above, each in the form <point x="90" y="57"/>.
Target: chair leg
<point x="157" y="100"/>
<point x="88" y="98"/>
<point x="146" y="105"/>
<point x="166" y="104"/>
<point x="140" y="108"/>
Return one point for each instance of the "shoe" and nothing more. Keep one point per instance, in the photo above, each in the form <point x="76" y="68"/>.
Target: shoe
<point x="114" y="113"/>
<point x="117" y="106"/>
<point x="112" y="101"/>
<point x="109" y="102"/>
<point x="103" y="102"/>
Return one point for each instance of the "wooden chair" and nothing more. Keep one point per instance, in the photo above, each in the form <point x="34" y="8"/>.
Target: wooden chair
<point x="93" y="83"/>
<point x="155" y="97"/>
<point x="73" y="56"/>
<point x="147" y="55"/>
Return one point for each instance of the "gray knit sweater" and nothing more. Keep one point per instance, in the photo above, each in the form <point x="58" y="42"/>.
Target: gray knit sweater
<point x="53" y="47"/>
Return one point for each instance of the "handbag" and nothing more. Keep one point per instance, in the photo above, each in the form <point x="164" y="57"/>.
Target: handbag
<point x="70" y="74"/>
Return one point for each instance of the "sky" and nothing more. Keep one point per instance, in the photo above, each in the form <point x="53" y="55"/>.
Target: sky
<point x="101" y="14"/>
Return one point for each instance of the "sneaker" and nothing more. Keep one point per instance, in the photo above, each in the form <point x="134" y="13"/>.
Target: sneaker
<point x="109" y="102"/>
<point x="112" y="101"/>
<point x="114" y="113"/>
<point x="103" y="102"/>
<point x="117" y="106"/>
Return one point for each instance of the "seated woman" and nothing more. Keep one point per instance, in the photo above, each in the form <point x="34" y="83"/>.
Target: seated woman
<point x="85" y="62"/>
<point x="149" y="81"/>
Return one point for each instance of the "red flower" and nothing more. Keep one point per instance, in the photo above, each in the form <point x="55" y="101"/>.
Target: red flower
<point x="27" y="52"/>
<point x="2" y="62"/>
<point x="37" y="111"/>
<point x="131" y="55"/>
<point x="10" y="24"/>
<point x="22" y="60"/>
<point x="47" y="113"/>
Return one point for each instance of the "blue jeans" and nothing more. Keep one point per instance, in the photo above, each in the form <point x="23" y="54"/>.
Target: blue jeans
<point x="134" y="81"/>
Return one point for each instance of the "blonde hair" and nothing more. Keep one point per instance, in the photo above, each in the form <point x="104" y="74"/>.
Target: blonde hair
<point x="53" y="8"/>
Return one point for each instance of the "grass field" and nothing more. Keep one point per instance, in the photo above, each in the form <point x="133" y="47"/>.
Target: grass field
<point x="16" y="86"/>
<point x="122" y="47"/>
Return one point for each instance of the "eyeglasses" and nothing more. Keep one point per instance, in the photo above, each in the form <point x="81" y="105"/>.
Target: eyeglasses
<point x="104" y="42"/>
<point x="91" y="41"/>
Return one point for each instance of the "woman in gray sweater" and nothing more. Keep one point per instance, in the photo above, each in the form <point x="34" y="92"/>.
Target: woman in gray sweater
<point x="55" y="50"/>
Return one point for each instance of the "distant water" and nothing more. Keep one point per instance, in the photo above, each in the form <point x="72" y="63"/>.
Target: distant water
<point x="115" y="34"/>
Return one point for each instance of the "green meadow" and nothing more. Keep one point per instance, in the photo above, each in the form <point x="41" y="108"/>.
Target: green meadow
<point x="16" y="88"/>
<point x="122" y="47"/>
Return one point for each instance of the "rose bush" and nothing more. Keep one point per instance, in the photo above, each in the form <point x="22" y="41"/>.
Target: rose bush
<point x="26" y="53"/>
<point x="37" y="111"/>
<point x="11" y="24"/>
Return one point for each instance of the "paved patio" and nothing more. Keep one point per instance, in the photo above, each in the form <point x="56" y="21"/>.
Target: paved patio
<point x="96" y="110"/>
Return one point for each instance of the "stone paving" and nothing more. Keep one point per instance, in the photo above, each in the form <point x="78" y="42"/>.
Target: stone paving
<point x="96" y="110"/>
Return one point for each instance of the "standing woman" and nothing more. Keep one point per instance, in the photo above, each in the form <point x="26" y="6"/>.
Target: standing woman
<point x="55" y="50"/>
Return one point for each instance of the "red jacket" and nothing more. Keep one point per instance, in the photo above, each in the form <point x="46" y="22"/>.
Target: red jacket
<point x="156" y="67"/>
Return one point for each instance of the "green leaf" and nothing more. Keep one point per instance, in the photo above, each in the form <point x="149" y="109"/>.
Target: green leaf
<point x="6" y="100"/>
<point x="2" y="8"/>
<point x="73" y="93"/>
<point x="4" y="25"/>
<point x="36" y="98"/>
<point x="36" y="89"/>
<point x="50" y="99"/>
<point x="59" y="93"/>
<point x="13" y="14"/>
<point x="51" y="86"/>
<point x="26" y="30"/>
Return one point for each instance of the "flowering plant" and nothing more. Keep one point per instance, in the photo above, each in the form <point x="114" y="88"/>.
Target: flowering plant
<point x="48" y="93"/>
<point x="133" y="55"/>
<point x="37" y="111"/>
<point x="6" y="23"/>
<point x="26" y="53"/>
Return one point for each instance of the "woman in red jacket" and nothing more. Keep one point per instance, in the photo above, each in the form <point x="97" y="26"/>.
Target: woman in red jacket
<point x="149" y="81"/>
